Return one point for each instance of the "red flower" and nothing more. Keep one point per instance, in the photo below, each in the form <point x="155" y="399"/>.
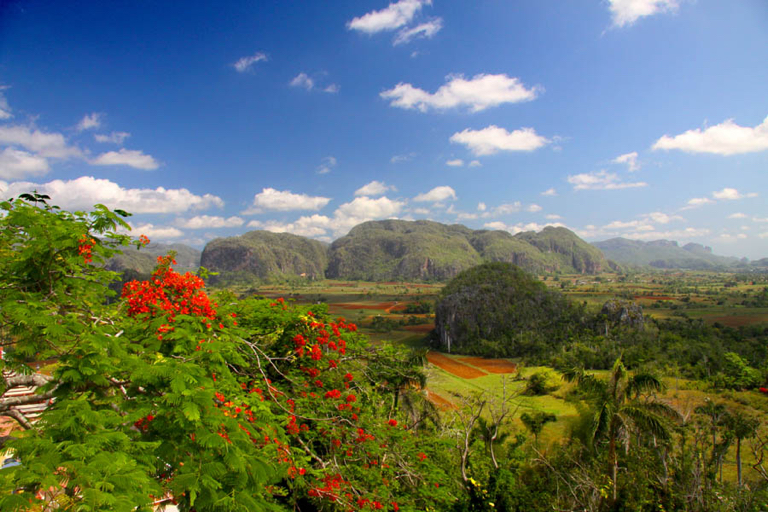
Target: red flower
<point x="392" y="423"/>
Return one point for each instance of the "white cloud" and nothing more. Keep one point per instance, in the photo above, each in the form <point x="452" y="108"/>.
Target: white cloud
<point x="764" y="234"/>
<point x="114" y="137"/>
<point x="481" y="207"/>
<point x="329" y="162"/>
<point x="520" y="227"/>
<point x="549" y="192"/>
<point x="726" y="138"/>
<point x="396" y="159"/>
<point x="130" y="157"/>
<point x="374" y="188"/>
<point x="84" y="192"/>
<point x="661" y="218"/>
<point x="424" y="31"/>
<point x="475" y="163"/>
<point x="302" y="80"/>
<point x="270" y="199"/>
<point x="730" y="194"/>
<point x="363" y="209"/>
<point x="17" y="164"/>
<point x="455" y="163"/>
<point x="533" y="208"/>
<point x="632" y="224"/>
<point x="89" y="121"/>
<point x="696" y="202"/>
<point x="759" y="219"/>
<point x="245" y="63"/>
<point x="630" y="159"/>
<point x="5" y="109"/>
<point x="156" y="232"/>
<point x="44" y="144"/>
<point x="478" y="93"/>
<point x="392" y="17"/>
<point x="626" y="12"/>
<point x="311" y="226"/>
<point x="601" y="180"/>
<point x="669" y="235"/>
<point x="210" y="222"/>
<point x="436" y="195"/>
<point x="507" y="208"/>
<point x="332" y="89"/>
<point x="737" y="216"/>
<point x="553" y="216"/>
<point x="493" y="139"/>
<point x="727" y="237"/>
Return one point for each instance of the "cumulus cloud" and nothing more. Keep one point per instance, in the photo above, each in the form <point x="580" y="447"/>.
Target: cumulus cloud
<point x="552" y="216"/>
<point x="89" y="122"/>
<point x="632" y="224"/>
<point x="302" y="80"/>
<point x="630" y="159"/>
<point x="17" y="164"/>
<point x="481" y="207"/>
<point x="309" y="226"/>
<point x="520" y="227"/>
<point x="475" y="163"/>
<point x="478" y="93"/>
<point x="493" y="139"/>
<point x="601" y="180"/>
<point x="245" y="63"/>
<point x="394" y="16"/>
<point x="128" y="157"/>
<point x="507" y="208"/>
<point x="726" y="138"/>
<point x="731" y="194"/>
<point x="332" y="89"/>
<point x="156" y="232"/>
<point x="329" y="162"/>
<point x="114" y="137"/>
<point x="728" y="237"/>
<point x="436" y="195"/>
<point x="84" y="192"/>
<point x="737" y="216"/>
<point x="423" y="31"/>
<point x="210" y="222"/>
<point x="458" y="162"/>
<point x="374" y="188"/>
<point x="549" y="192"/>
<point x="270" y="199"/>
<point x="626" y="12"/>
<point x="51" y="145"/>
<point x="669" y="235"/>
<point x="533" y="208"/>
<point x="5" y="109"/>
<point x="661" y="218"/>
<point x="396" y="159"/>
<point x="696" y="202"/>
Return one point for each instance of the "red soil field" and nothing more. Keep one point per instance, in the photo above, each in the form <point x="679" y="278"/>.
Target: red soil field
<point x="452" y="366"/>
<point x="738" y="321"/>
<point x="381" y="305"/>
<point x="399" y="307"/>
<point x="491" y="365"/>
<point x="439" y="401"/>
<point x="419" y="328"/>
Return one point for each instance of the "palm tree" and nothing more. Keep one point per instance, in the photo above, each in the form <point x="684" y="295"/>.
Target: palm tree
<point x="622" y="406"/>
<point x="741" y="426"/>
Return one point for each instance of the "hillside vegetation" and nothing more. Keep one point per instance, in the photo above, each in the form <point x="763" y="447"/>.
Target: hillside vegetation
<point x="663" y="254"/>
<point x="498" y="310"/>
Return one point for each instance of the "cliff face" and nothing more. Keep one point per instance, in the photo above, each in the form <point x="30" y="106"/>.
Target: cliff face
<point x="261" y="254"/>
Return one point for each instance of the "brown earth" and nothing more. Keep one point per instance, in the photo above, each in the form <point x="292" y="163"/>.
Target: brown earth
<point x="419" y="328"/>
<point x="439" y="401"/>
<point x="381" y="305"/>
<point x="453" y="366"/>
<point x="491" y="365"/>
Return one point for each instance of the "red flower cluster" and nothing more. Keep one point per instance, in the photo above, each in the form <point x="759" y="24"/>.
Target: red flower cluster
<point x="764" y="390"/>
<point x="86" y="245"/>
<point x="169" y="293"/>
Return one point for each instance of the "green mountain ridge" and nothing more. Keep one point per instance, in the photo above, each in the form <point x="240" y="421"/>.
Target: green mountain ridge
<point x="665" y="254"/>
<point x="392" y="250"/>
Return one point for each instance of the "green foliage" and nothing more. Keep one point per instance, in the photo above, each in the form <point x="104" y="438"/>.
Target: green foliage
<point x="737" y="374"/>
<point x="540" y="383"/>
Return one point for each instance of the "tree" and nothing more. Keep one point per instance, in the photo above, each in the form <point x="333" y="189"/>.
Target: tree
<point x="171" y="394"/>
<point x="741" y="426"/>
<point x="619" y="411"/>
<point x="535" y="422"/>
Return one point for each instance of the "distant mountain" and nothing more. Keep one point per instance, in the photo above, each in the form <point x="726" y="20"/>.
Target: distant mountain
<point x="397" y="249"/>
<point x="663" y="254"/>
<point x="143" y="261"/>
<point x="262" y="254"/>
<point x="392" y="250"/>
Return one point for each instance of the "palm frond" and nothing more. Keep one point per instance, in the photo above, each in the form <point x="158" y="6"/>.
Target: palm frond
<point x="643" y="383"/>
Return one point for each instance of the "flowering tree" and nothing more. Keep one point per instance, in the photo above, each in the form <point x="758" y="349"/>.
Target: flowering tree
<point x="215" y="404"/>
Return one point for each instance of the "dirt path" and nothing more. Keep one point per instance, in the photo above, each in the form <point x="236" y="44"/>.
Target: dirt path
<point x="452" y="366"/>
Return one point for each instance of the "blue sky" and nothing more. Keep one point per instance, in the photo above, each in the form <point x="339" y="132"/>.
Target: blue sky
<point x="646" y="119"/>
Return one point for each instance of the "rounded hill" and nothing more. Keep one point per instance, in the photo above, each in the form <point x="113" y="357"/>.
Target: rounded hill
<point x="498" y="310"/>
